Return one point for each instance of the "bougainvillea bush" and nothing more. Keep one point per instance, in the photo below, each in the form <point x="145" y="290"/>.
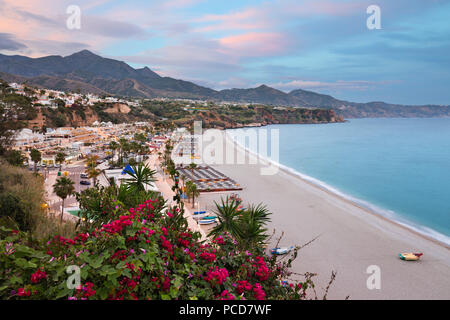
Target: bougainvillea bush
<point x="143" y="253"/>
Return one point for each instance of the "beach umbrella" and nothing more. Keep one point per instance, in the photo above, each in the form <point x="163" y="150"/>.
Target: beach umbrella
<point x="128" y="169"/>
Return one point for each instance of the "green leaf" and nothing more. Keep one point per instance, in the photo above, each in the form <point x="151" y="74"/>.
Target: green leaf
<point x="127" y="273"/>
<point x="96" y="263"/>
<point x="64" y="293"/>
<point x="15" y="280"/>
<point x="120" y="265"/>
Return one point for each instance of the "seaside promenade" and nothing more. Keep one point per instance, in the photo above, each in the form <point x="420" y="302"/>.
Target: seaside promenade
<point x="165" y="187"/>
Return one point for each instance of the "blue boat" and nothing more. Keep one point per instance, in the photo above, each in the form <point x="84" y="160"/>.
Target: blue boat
<point x="282" y="250"/>
<point x="207" y="221"/>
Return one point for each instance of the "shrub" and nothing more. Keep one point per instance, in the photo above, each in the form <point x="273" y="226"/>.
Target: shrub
<point x="141" y="254"/>
<point x="21" y="196"/>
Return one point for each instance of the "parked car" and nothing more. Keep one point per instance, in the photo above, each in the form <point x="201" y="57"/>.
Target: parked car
<point x="85" y="183"/>
<point x="84" y="176"/>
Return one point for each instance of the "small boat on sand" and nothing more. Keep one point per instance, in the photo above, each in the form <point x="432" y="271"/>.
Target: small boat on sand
<point x="202" y="215"/>
<point x="408" y="256"/>
<point x="205" y="217"/>
<point x="207" y="221"/>
<point x="282" y="250"/>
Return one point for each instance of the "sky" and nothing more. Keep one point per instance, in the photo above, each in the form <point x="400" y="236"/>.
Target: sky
<point x="319" y="45"/>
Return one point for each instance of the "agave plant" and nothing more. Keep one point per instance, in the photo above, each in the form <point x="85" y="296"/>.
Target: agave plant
<point x="252" y="222"/>
<point x="141" y="176"/>
<point x="248" y="227"/>
<point x="228" y="217"/>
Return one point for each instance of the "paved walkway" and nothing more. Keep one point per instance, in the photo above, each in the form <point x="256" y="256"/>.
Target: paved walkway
<point x="165" y="187"/>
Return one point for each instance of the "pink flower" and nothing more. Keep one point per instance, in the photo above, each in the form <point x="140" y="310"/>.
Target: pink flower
<point x="38" y="275"/>
<point x="243" y="285"/>
<point x="210" y="257"/>
<point x="216" y="276"/>
<point x="9" y="249"/>
<point x="259" y="292"/>
<point x="22" y="293"/>
<point x="225" y="295"/>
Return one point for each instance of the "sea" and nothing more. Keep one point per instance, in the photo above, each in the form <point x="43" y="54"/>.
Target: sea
<point x="396" y="167"/>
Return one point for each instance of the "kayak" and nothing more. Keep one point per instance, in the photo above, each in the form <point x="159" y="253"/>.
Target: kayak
<point x="205" y="217"/>
<point x="410" y="256"/>
<point x="280" y="251"/>
<point x="202" y="215"/>
<point x="207" y="221"/>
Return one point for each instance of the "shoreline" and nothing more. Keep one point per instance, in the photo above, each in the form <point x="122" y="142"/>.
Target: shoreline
<point x="350" y="240"/>
<point x="406" y="224"/>
<point x="368" y="210"/>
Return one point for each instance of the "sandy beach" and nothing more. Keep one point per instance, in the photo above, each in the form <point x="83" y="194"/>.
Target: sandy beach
<point x="350" y="238"/>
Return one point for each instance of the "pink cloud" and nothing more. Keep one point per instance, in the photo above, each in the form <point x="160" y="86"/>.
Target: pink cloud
<point x="254" y="43"/>
<point x="247" y="19"/>
<point x="272" y="14"/>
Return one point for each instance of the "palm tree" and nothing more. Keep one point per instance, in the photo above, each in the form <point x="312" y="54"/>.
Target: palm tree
<point x="228" y="215"/>
<point x="141" y="177"/>
<point x="192" y="191"/>
<point x="135" y="147"/>
<point x="60" y="158"/>
<point x="93" y="173"/>
<point x="123" y="148"/>
<point x="36" y="156"/>
<point x="192" y="167"/>
<point x="113" y="145"/>
<point x="91" y="161"/>
<point x="63" y="188"/>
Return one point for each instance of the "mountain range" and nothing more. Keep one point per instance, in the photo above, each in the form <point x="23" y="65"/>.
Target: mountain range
<point x="91" y="73"/>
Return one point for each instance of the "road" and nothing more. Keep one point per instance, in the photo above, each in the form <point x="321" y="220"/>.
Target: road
<point x="74" y="172"/>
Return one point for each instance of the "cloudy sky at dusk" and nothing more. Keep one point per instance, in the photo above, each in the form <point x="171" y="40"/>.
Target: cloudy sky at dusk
<point x="318" y="45"/>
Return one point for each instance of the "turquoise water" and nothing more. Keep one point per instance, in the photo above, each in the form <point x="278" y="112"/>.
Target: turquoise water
<point x="397" y="167"/>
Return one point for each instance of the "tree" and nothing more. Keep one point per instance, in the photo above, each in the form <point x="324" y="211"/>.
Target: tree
<point x="63" y="188"/>
<point x="141" y="177"/>
<point x="124" y="149"/>
<point x="60" y="158"/>
<point x="192" y="191"/>
<point x="192" y="167"/>
<point x="36" y="157"/>
<point x="93" y="173"/>
<point x="140" y="137"/>
<point x="29" y="92"/>
<point x="15" y="158"/>
<point x="113" y="146"/>
<point x="135" y="147"/>
<point x="14" y="110"/>
<point x="91" y="161"/>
